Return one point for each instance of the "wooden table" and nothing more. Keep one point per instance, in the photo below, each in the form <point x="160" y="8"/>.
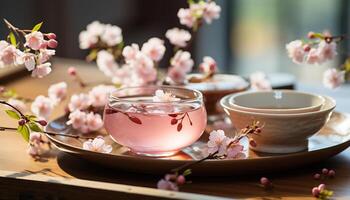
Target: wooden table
<point x="66" y="177"/>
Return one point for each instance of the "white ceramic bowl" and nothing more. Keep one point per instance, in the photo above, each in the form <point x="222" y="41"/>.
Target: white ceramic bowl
<point x="282" y="133"/>
<point x="277" y="101"/>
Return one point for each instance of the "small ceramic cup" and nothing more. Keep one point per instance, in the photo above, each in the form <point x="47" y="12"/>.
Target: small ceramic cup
<point x="277" y="101"/>
<point x="282" y="133"/>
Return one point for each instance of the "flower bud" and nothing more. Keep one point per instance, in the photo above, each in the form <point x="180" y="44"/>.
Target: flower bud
<point x="331" y="173"/>
<point x="315" y="192"/>
<point x="181" y="180"/>
<point x="52" y="43"/>
<point x="42" y="122"/>
<point x="317" y="176"/>
<point x="21" y="122"/>
<point x="265" y="182"/>
<point x="51" y="36"/>
<point x="43" y="45"/>
<point x="311" y="35"/>
<point x="307" y="47"/>
<point x="72" y="71"/>
<point x="325" y="171"/>
<point x="321" y="187"/>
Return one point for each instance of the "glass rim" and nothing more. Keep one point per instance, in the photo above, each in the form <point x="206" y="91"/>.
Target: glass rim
<point x="198" y="96"/>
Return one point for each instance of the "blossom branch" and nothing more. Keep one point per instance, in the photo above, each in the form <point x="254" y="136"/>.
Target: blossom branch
<point x="317" y="49"/>
<point x="13" y="107"/>
<point x="219" y="147"/>
<point x="12" y="27"/>
<point x="3" y="128"/>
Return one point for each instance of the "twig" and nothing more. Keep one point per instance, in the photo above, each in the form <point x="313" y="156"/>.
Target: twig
<point x="13" y="107"/>
<point x="2" y="128"/>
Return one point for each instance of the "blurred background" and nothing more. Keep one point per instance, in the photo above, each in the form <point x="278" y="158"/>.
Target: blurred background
<point x="249" y="36"/>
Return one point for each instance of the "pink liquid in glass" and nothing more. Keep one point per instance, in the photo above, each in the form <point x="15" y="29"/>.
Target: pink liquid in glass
<point x="155" y="130"/>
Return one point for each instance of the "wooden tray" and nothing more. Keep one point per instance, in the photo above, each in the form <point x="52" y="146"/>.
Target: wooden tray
<point x="332" y="139"/>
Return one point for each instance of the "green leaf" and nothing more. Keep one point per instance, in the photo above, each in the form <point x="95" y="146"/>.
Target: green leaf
<point x="187" y="172"/>
<point x="34" y="127"/>
<point x="13" y="39"/>
<point x="37" y="27"/>
<point x="31" y="117"/>
<point x="121" y="45"/>
<point x="24" y="131"/>
<point x="190" y="2"/>
<point x="347" y="65"/>
<point x="92" y="55"/>
<point x="13" y="114"/>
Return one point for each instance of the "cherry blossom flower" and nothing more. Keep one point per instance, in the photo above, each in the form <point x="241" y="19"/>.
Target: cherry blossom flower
<point x="197" y="9"/>
<point x="182" y="60"/>
<point x="327" y="51"/>
<point x="129" y="52"/>
<point x="177" y="75"/>
<point x="9" y="55"/>
<point x="186" y="17"/>
<point x="57" y="92"/>
<point x="42" y="70"/>
<point x="167" y="185"/>
<point x="144" y="67"/>
<point x="128" y="76"/>
<point x="77" y="119"/>
<point x="217" y="142"/>
<point x="34" y="40"/>
<point x="38" y="144"/>
<point x="42" y="107"/>
<point x="35" y="137"/>
<point x="34" y="151"/>
<point x="332" y="78"/>
<point x="161" y="96"/>
<point x="98" y="95"/>
<point x="112" y="35"/>
<point x="98" y="144"/>
<point x="154" y="48"/>
<point x="93" y="121"/>
<point x="211" y="11"/>
<point x="45" y="55"/>
<point x="125" y="76"/>
<point x="208" y="66"/>
<point x="296" y="51"/>
<point x="106" y="63"/>
<point x="20" y="105"/>
<point x="259" y="81"/>
<point x="89" y="37"/>
<point x="178" y="37"/>
<point x="96" y="28"/>
<point x="235" y="151"/>
<point x="87" y="40"/>
<point x="29" y="61"/>
<point x="3" y="45"/>
<point x="313" y="57"/>
<point x="79" y="102"/>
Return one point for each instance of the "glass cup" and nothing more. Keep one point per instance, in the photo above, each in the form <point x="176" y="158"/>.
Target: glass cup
<point x="150" y="128"/>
